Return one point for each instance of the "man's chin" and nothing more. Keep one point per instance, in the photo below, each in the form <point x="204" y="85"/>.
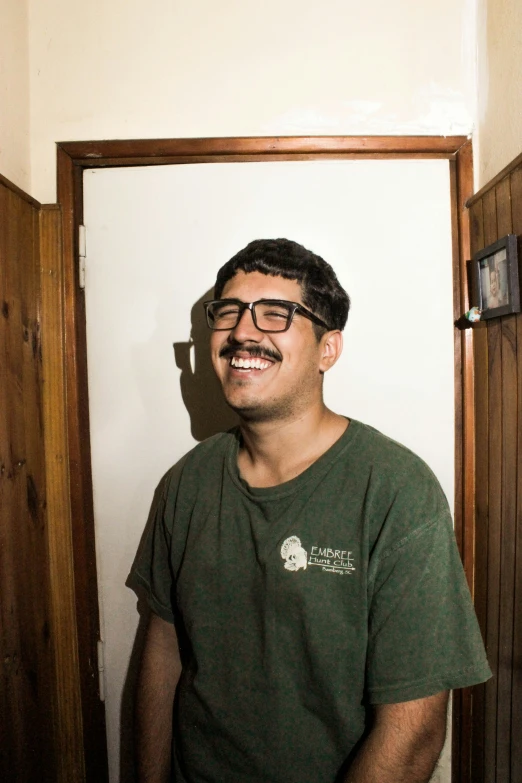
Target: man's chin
<point x="247" y="411"/>
<point x="253" y="411"/>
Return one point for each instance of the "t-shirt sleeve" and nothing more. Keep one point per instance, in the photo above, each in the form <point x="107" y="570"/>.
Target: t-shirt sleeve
<point x="423" y="633"/>
<point x="152" y="567"/>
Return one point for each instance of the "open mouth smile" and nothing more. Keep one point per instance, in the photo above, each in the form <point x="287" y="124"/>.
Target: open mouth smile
<point x="249" y="364"/>
<point x="249" y="361"/>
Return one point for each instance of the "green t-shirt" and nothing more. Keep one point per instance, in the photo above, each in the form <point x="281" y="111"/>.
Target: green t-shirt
<point x="300" y="605"/>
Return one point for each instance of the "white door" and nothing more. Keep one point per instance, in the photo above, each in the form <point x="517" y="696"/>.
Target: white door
<point x="155" y="239"/>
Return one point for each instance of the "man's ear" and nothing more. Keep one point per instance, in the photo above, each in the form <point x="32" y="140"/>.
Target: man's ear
<point x="331" y="349"/>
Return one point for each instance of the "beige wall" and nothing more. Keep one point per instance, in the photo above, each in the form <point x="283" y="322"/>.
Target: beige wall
<point x="499" y="123"/>
<point x="123" y="69"/>
<point x="14" y="93"/>
<point x="130" y="69"/>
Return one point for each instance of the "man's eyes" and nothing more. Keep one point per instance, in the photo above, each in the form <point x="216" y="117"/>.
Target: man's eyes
<point x="273" y="311"/>
<point x="265" y="312"/>
<point x="275" y="314"/>
<point x="226" y="311"/>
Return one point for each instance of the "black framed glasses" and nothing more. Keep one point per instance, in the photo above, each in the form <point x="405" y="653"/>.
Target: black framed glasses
<point x="268" y="315"/>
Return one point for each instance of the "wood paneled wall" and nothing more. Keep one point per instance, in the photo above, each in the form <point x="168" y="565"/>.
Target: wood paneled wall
<point x="27" y="750"/>
<point x="40" y="703"/>
<point x="497" y="706"/>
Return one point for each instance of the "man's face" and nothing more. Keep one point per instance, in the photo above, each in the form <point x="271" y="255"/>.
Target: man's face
<point x="288" y="376"/>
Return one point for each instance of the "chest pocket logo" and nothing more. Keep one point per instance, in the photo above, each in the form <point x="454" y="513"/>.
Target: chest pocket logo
<point x="293" y="553"/>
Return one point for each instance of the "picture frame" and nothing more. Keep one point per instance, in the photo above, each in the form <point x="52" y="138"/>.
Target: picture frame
<point x="497" y="289"/>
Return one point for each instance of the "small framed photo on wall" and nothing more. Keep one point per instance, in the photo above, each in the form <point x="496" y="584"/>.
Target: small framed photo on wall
<point x="496" y="278"/>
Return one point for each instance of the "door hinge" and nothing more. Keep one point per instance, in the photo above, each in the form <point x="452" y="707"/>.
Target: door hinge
<point x="82" y="246"/>
<point x="101" y="670"/>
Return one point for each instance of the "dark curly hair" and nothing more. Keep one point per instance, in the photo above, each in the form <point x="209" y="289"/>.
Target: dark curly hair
<point x="322" y="293"/>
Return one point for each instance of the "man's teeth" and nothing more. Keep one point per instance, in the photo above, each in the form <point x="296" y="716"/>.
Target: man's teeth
<point x="249" y="364"/>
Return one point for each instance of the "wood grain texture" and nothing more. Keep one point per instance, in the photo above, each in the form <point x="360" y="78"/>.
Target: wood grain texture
<point x="494" y="447"/>
<point x="516" y="686"/>
<point x="489" y="207"/>
<point x="80" y="481"/>
<point x="497" y="714"/>
<point x="115" y="162"/>
<point x="6" y="183"/>
<point x="508" y="506"/>
<point x="27" y="751"/>
<point x="457" y="347"/>
<point x="516" y="693"/>
<point x="461" y="184"/>
<point x="480" y="346"/>
<point x="464" y="373"/>
<point x="146" y="151"/>
<point x="509" y="437"/>
<point x="67" y="714"/>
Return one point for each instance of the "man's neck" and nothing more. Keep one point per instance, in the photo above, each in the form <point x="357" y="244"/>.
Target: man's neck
<point x="277" y="451"/>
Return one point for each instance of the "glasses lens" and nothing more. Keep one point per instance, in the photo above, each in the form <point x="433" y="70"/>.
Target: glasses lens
<point x="273" y="316"/>
<point x="223" y="315"/>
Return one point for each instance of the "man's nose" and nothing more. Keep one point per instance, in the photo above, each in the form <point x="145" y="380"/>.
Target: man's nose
<point x="246" y="329"/>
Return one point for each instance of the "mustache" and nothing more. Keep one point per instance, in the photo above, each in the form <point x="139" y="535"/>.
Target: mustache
<point x="255" y="351"/>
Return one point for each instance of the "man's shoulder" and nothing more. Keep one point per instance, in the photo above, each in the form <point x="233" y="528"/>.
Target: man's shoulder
<point x="215" y="446"/>
<point x="207" y="456"/>
<point x="388" y="455"/>
<point x="404" y="495"/>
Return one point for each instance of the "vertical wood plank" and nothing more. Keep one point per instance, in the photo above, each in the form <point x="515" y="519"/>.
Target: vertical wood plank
<point x="9" y="747"/>
<point x="480" y="345"/>
<point x="70" y="195"/>
<point x="15" y="461"/>
<point x="507" y="543"/>
<point x="461" y="186"/>
<point x="516" y="695"/>
<point x="68" y="715"/>
<point x="494" y="506"/>
<point x="464" y="375"/>
<point x="34" y="594"/>
<point x="19" y="549"/>
<point x="27" y="752"/>
<point x="489" y="207"/>
<point x="458" y="305"/>
<point x="508" y="506"/>
<point x="458" y="753"/>
<point x="5" y="500"/>
<point x="494" y="528"/>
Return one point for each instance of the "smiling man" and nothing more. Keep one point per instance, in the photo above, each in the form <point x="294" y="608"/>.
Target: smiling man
<point x="309" y="609"/>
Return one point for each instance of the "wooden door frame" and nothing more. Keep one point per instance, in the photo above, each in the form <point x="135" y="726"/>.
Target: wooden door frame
<point x="72" y="159"/>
